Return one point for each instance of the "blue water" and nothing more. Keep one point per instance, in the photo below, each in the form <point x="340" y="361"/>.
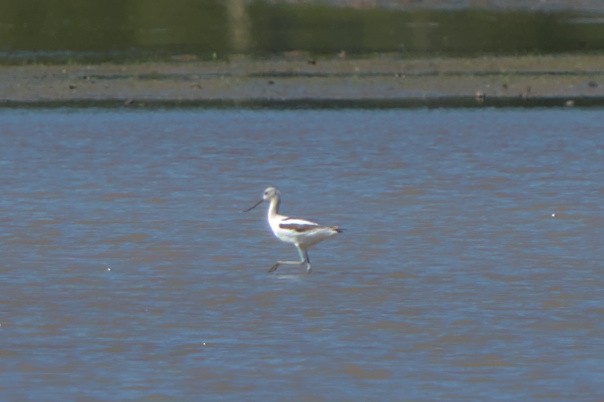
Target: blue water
<point x="470" y="267"/>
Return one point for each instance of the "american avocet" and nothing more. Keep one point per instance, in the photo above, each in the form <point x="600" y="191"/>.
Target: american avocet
<point x="299" y="232"/>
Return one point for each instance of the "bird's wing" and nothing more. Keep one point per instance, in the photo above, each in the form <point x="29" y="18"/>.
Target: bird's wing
<point x="298" y="225"/>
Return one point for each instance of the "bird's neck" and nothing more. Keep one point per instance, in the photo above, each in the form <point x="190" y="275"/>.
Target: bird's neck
<point x="273" y="208"/>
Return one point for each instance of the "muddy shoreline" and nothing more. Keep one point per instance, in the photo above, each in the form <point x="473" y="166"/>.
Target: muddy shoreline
<point x="296" y="80"/>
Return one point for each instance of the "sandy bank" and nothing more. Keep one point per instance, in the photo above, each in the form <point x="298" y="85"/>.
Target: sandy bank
<point x="297" y="81"/>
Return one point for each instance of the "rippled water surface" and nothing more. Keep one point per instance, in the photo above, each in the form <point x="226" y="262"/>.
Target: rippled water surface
<point x="470" y="268"/>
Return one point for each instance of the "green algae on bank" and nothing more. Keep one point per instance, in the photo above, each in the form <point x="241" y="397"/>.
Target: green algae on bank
<point x="134" y="30"/>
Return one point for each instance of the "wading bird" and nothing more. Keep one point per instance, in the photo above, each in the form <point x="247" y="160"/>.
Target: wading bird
<point x="299" y="232"/>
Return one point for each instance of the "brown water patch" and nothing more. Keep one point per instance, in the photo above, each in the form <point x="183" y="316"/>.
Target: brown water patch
<point x="190" y="349"/>
<point x="129" y="238"/>
<point x="596" y="310"/>
<point x="314" y="313"/>
<point x="401" y="275"/>
<point x="486" y="361"/>
<point x="118" y="196"/>
<point x="397" y="326"/>
<point x="8" y="353"/>
<point x="366" y="372"/>
<point x="220" y="300"/>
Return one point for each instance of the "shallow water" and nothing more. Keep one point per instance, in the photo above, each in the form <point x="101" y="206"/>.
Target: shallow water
<point x="470" y="268"/>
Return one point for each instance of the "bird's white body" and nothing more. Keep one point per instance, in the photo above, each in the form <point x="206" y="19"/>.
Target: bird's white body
<point x="299" y="232"/>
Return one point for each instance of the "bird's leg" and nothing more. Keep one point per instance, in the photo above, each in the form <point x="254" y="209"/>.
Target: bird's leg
<point x="307" y="259"/>
<point x="303" y="260"/>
